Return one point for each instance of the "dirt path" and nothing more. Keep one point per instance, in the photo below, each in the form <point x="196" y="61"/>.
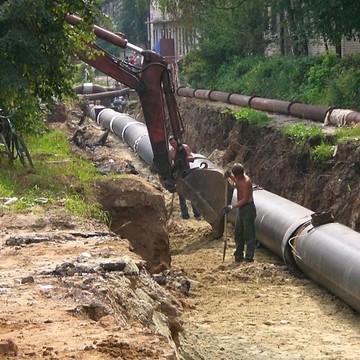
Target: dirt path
<point x="257" y="310"/>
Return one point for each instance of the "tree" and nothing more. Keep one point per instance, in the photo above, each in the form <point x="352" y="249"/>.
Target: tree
<point x="333" y="19"/>
<point x="131" y="18"/>
<point x="37" y="51"/>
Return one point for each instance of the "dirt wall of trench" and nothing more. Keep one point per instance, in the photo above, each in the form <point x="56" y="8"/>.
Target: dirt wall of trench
<point x="276" y="163"/>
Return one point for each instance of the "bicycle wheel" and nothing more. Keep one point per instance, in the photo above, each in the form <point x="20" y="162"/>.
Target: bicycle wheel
<point x="8" y="148"/>
<point x="22" y="151"/>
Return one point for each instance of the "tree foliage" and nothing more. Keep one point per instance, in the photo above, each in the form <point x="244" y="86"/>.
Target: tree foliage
<point x="37" y="51"/>
<point x="335" y="18"/>
<point x="131" y="18"/>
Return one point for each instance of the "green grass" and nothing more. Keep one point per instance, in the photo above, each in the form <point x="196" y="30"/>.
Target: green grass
<point x="250" y="116"/>
<point x="300" y="134"/>
<point x="59" y="176"/>
<point x="347" y="134"/>
<point x="325" y="150"/>
<point x="321" y="153"/>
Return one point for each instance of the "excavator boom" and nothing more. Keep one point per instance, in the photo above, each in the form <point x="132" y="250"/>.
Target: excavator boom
<point x="154" y="86"/>
<point x="153" y="83"/>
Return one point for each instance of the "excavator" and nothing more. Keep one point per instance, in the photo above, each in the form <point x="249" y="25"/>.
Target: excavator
<point x="204" y="184"/>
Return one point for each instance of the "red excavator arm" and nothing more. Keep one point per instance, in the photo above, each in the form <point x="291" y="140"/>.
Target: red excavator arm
<point x="152" y="82"/>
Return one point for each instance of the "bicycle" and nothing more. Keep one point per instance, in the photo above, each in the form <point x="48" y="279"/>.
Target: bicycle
<point x="13" y="144"/>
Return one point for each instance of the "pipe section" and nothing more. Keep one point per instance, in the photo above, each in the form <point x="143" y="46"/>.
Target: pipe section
<point x="275" y="106"/>
<point x="219" y="96"/>
<point x="89" y="88"/>
<point x="312" y="112"/>
<point x="352" y="118"/>
<point x="186" y="92"/>
<point x="277" y="219"/>
<point x="329" y="254"/>
<point x="132" y="132"/>
<point x="105" y="95"/>
<point x="240" y="100"/>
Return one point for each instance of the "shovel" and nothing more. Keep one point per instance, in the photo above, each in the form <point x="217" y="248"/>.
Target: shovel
<point x="225" y="219"/>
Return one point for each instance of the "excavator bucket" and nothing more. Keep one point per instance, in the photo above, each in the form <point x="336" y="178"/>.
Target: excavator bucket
<point x="205" y="188"/>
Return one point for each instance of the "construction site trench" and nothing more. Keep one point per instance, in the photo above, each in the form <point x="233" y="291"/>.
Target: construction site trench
<point x="154" y="286"/>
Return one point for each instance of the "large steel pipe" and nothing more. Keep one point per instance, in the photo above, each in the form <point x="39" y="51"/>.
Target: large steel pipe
<point x="200" y="161"/>
<point x="240" y="100"/>
<point x="270" y="105"/>
<point x="185" y="92"/>
<point x="202" y="94"/>
<point x="105" y="95"/>
<point x="352" y="118"/>
<point x="329" y="254"/>
<point x="219" y="96"/>
<point x="89" y="88"/>
<point x="133" y="132"/>
<point x="276" y="221"/>
<point x="304" y="111"/>
<point x="311" y="112"/>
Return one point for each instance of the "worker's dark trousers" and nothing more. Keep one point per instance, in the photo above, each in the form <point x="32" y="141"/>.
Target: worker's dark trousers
<point x="184" y="209"/>
<point x="245" y="232"/>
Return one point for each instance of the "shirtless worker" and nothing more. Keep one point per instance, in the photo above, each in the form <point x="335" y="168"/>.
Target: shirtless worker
<point x="244" y="233"/>
<point x="181" y="156"/>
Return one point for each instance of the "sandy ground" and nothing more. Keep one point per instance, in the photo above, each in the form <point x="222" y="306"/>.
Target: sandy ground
<point x="256" y="310"/>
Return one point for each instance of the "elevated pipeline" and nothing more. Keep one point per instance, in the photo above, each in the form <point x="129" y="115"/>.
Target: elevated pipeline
<point x="328" y="253"/>
<point x="105" y="95"/>
<point x="310" y="112"/>
<point x="89" y="88"/>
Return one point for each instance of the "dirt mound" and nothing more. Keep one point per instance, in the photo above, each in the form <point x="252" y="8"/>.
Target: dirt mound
<point x="138" y="213"/>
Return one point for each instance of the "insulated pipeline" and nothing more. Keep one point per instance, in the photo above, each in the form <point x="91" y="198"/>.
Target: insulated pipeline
<point x="132" y="132"/>
<point x="329" y="253"/>
<point x="105" y="95"/>
<point x="90" y="88"/>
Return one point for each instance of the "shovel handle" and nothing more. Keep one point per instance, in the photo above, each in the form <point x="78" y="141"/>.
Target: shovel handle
<point x="225" y="219"/>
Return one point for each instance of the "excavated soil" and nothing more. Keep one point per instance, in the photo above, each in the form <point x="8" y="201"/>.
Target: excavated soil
<point x="154" y="286"/>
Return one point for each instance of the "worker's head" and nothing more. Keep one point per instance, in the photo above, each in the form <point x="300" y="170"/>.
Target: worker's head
<point x="238" y="169"/>
<point x="172" y="141"/>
